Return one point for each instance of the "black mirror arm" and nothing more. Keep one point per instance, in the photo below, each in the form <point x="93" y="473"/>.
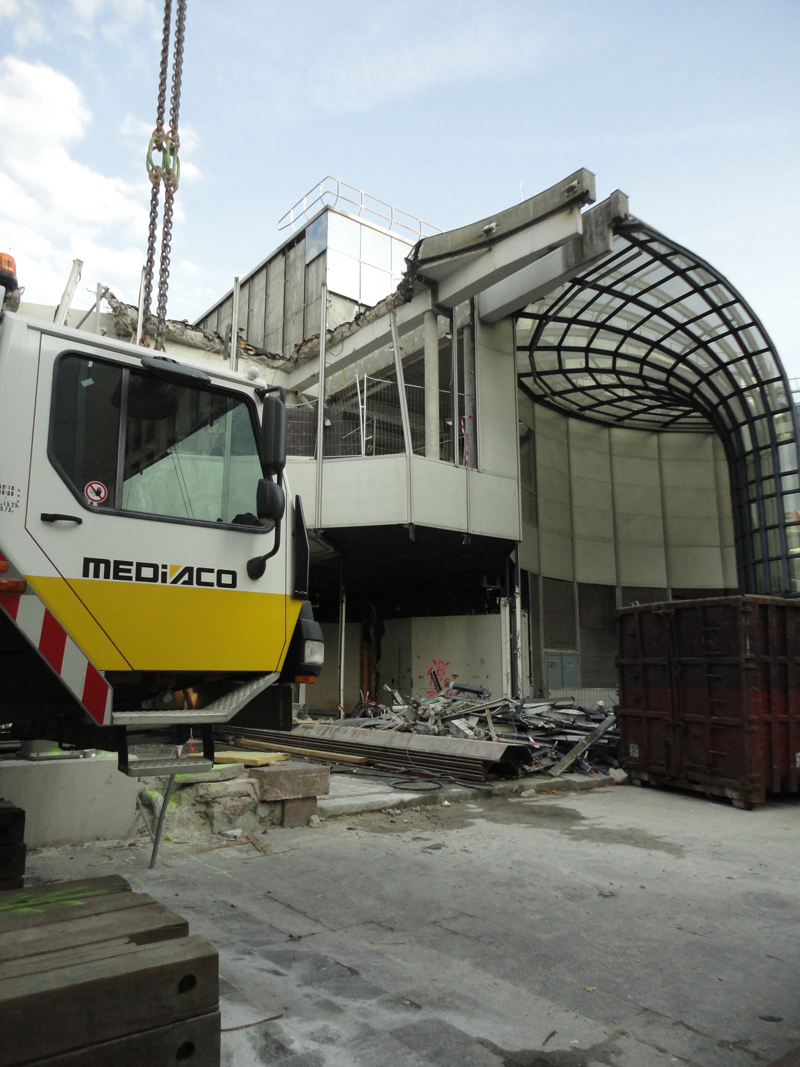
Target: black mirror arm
<point x="267" y="389"/>
<point x="258" y="564"/>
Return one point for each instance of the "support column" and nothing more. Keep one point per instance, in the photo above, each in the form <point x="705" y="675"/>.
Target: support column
<point x="431" y="342"/>
<point x="320" y="447"/>
<point x="470" y="454"/>
<point x="342" y="632"/>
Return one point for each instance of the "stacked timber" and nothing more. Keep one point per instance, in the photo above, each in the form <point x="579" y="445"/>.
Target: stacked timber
<point x="92" y="974"/>
<point x="13" y="850"/>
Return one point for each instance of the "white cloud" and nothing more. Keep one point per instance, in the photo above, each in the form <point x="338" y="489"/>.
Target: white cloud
<point x="112" y="19"/>
<point x="26" y="21"/>
<point x="384" y="68"/>
<point x="52" y="207"/>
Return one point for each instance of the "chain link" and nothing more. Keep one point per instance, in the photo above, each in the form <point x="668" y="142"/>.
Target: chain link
<point x="155" y="173"/>
<point x="168" y="171"/>
<point x="171" y="174"/>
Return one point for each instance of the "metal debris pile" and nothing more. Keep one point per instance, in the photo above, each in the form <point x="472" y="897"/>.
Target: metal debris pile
<point x="561" y="734"/>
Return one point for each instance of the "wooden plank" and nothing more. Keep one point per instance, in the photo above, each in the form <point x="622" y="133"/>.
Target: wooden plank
<point x="162" y="1047"/>
<point x="141" y="926"/>
<point x="22" y="918"/>
<point x="312" y="753"/>
<point x="58" y="892"/>
<point x="250" y="759"/>
<point x="139" y="988"/>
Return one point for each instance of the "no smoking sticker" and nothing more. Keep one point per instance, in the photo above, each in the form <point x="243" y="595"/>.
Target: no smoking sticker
<point x="95" y="492"/>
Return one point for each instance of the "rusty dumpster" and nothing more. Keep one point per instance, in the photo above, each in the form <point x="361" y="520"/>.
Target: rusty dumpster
<point x="710" y="695"/>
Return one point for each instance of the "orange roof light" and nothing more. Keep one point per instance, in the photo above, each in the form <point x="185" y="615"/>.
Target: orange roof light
<point x="7" y="262"/>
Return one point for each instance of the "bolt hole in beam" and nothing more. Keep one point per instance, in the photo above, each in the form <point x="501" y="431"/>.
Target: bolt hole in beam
<point x="654" y="338"/>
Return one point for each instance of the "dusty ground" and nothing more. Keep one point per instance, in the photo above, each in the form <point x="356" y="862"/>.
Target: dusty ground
<point x="621" y="927"/>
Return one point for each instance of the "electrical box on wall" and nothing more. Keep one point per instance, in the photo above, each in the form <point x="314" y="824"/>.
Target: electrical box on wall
<point x="562" y="669"/>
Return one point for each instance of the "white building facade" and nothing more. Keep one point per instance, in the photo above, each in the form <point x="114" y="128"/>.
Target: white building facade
<point x="527" y="423"/>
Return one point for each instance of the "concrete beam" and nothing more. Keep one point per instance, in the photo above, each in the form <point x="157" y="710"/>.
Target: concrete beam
<point x="507" y="256"/>
<point x="361" y="343"/>
<point x="575" y="191"/>
<point x="547" y="273"/>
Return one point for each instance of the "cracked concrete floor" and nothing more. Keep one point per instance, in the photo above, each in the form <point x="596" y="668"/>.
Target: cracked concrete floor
<point x="625" y="927"/>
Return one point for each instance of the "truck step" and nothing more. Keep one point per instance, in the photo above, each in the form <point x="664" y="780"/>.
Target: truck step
<point x="219" y="711"/>
<point x="158" y="767"/>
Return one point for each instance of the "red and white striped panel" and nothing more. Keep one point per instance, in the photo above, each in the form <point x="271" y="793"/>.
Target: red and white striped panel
<point x="57" y="648"/>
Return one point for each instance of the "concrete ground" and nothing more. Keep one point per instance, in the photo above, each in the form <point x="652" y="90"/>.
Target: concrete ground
<point x="621" y="926"/>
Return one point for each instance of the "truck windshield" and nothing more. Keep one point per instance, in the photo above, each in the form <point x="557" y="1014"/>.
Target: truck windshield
<point x="128" y="441"/>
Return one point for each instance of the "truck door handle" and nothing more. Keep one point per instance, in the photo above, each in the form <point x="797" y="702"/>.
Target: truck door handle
<point x="51" y="516"/>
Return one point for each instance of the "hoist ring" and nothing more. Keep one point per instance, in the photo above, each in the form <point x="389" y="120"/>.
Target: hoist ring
<point x="170" y="168"/>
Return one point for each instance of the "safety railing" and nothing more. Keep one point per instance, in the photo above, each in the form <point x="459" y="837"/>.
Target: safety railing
<point x="364" y="419"/>
<point x="335" y="193"/>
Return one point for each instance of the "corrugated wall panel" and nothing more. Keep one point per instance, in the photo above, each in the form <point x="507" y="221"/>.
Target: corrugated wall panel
<point x="315" y="276"/>
<point x="558" y="614"/>
<point x="597" y="606"/>
<point x="274" y="304"/>
<point x="257" y="308"/>
<point x="294" y="296"/>
<point x="225" y="312"/>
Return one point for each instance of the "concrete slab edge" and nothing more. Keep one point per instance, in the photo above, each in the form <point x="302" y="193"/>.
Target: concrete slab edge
<point x="332" y="807"/>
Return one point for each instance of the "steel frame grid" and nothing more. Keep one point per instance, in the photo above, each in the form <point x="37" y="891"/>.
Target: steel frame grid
<point x="654" y="338"/>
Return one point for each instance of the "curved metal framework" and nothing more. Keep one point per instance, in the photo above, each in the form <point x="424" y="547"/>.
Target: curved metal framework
<point x="654" y="338"/>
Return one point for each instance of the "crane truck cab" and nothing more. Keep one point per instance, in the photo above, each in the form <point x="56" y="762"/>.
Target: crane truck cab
<point x="154" y="561"/>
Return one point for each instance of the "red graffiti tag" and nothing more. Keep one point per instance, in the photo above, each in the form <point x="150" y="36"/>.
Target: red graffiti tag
<point x="439" y="669"/>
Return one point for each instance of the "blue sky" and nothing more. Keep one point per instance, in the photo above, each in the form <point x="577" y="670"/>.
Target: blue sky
<point x="440" y="108"/>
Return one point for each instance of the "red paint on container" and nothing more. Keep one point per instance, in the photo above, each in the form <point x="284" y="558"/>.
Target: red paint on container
<point x="710" y="695"/>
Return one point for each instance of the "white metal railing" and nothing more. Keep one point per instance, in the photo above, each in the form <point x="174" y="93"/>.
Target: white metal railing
<point x="332" y="191"/>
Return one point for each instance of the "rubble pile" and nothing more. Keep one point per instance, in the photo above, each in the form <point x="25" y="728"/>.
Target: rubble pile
<point x="562" y="735"/>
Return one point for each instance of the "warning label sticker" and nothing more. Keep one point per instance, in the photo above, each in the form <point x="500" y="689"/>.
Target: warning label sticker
<point x="95" y="492"/>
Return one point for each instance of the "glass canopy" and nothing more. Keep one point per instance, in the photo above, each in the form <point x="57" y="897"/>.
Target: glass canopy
<point x="652" y="337"/>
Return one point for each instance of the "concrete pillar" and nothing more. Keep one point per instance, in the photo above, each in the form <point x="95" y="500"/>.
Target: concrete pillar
<point x="431" y="341"/>
<point x="471" y="459"/>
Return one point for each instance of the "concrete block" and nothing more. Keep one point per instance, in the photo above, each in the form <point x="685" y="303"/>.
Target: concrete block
<point x="219" y="774"/>
<point x="69" y="801"/>
<point x="291" y="781"/>
<point x="270" y="813"/>
<point x="298" y="812"/>
<point x="229" y="804"/>
<point x="12" y="861"/>
<point x="213" y="792"/>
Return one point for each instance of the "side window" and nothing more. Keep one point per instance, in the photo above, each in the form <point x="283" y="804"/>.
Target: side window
<point x="85" y="428"/>
<point x="190" y="453"/>
<point x="185" y="452"/>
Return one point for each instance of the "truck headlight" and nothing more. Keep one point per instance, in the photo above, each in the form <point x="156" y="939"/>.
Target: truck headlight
<point x="313" y="652"/>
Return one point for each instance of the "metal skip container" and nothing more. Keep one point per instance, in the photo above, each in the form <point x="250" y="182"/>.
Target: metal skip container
<point x="710" y="695"/>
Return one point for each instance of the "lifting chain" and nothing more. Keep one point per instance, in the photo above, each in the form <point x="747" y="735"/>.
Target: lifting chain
<point x="168" y="171"/>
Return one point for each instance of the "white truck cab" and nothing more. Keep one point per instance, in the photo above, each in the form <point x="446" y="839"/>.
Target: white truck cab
<point x="153" y="557"/>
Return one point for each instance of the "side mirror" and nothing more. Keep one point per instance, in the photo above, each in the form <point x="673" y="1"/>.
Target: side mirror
<point x="273" y="436"/>
<point x="270" y="501"/>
